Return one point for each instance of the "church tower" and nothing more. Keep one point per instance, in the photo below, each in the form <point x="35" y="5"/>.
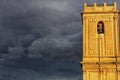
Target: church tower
<point x="101" y="57"/>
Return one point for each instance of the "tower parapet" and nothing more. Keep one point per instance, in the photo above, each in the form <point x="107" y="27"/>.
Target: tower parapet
<point x="102" y="8"/>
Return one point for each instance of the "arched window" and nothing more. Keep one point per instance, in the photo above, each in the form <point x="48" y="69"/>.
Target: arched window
<point x="100" y="27"/>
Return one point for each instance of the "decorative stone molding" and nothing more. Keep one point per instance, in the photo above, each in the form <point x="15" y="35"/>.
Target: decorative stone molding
<point x="100" y="61"/>
<point x="95" y="8"/>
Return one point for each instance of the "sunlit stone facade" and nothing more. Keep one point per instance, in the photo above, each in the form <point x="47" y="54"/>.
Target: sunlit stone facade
<point x="101" y="57"/>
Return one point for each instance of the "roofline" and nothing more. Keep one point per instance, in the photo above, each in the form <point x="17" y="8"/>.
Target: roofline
<point x="100" y="12"/>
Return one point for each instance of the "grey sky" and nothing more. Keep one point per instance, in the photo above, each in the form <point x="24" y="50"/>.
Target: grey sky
<point x="41" y="39"/>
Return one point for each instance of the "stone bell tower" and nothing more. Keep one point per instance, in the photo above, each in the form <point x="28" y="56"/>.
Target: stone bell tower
<point x="101" y="57"/>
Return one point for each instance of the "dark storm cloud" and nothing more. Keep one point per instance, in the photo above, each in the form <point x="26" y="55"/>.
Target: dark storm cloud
<point x="40" y="23"/>
<point x="36" y="33"/>
<point x="41" y="39"/>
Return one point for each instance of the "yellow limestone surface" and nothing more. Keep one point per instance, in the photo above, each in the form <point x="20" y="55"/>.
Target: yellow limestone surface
<point x="101" y="57"/>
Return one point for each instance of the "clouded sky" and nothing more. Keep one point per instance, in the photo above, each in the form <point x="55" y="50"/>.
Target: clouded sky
<point x="41" y="39"/>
